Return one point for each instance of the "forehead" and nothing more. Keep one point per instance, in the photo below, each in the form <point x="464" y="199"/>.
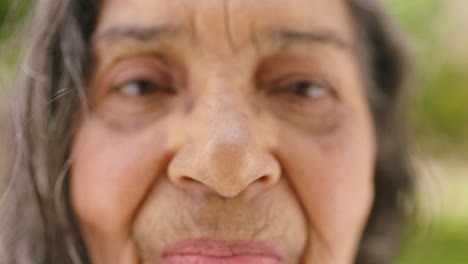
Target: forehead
<point x="237" y="21"/>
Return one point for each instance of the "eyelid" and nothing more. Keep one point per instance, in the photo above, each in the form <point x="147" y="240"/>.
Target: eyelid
<point x="162" y="85"/>
<point x="282" y="83"/>
<point x="300" y="87"/>
<point x="140" y="74"/>
<point x="278" y="70"/>
<point x="126" y="69"/>
<point x="121" y="88"/>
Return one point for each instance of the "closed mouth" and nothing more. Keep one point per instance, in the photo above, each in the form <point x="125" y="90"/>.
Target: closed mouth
<point x="205" y="250"/>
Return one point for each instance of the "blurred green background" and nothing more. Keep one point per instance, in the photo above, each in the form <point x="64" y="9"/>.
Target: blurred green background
<point x="438" y="106"/>
<point x="437" y="32"/>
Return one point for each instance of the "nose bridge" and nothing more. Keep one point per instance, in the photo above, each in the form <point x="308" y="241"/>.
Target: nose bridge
<point x="222" y="108"/>
<point x="225" y="114"/>
<point x="223" y="152"/>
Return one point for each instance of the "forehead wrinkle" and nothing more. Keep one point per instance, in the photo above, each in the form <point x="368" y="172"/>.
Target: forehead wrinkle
<point x="137" y="33"/>
<point x="191" y="20"/>
<point x="275" y="35"/>
<point x="217" y="28"/>
<point x="282" y="38"/>
<point x="227" y="26"/>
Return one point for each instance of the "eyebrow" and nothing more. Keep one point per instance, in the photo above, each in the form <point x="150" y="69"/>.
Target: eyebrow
<point x="291" y="37"/>
<point x="285" y="37"/>
<point x="142" y="34"/>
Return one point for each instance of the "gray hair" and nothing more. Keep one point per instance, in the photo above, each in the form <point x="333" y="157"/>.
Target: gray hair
<point x="37" y="223"/>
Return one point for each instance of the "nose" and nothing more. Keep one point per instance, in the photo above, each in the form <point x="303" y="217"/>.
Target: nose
<point x="224" y="153"/>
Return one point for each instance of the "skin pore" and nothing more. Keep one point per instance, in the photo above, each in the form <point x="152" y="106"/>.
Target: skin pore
<point x="227" y="120"/>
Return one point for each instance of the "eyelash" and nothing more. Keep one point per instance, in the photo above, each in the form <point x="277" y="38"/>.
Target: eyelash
<point x="141" y="87"/>
<point x="133" y="86"/>
<point x="301" y="88"/>
<point x="304" y="89"/>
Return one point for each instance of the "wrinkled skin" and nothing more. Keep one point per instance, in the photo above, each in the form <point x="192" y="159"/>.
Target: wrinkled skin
<point x="228" y="120"/>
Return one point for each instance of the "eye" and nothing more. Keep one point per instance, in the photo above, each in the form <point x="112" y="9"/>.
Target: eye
<point x="139" y="88"/>
<point x="308" y="89"/>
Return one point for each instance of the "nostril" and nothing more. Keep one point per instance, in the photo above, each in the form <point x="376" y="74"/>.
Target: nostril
<point x="189" y="183"/>
<point x="187" y="180"/>
<point x="261" y="183"/>
<point x="265" y="179"/>
<point x="184" y="180"/>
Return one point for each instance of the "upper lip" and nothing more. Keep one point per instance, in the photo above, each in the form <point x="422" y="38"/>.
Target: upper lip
<point x="212" y="248"/>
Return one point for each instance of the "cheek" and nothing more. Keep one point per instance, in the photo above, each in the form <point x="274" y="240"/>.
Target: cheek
<point x="333" y="177"/>
<point x="111" y="173"/>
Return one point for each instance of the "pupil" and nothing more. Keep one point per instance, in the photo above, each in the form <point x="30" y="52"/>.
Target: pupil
<point x="145" y="87"/>
<point x="139" y="88"/>
<point x="305" y="89"/>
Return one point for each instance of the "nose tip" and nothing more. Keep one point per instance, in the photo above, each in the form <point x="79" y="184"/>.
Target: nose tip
<point x="226" y="166"/>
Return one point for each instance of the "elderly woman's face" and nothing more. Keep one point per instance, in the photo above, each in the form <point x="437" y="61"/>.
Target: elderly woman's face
<point x="224" y="132"/>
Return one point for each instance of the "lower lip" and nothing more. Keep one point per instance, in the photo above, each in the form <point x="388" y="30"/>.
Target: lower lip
<point x="198" y="259"/>
<point x="207" y="251"/>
